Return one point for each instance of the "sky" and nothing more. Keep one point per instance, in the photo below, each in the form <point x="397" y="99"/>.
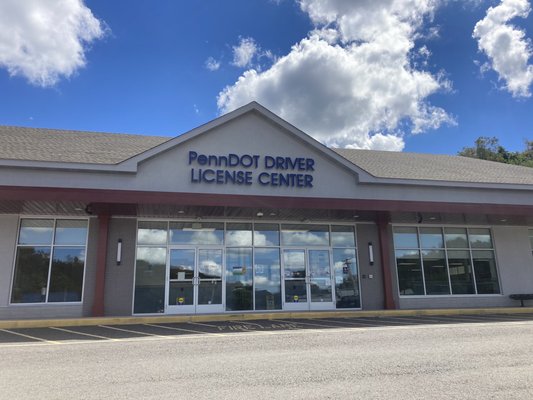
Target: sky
<point x="427" y="76"/>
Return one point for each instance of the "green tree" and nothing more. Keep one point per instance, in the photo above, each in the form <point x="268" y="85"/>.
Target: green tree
<point x="489" y="148"/>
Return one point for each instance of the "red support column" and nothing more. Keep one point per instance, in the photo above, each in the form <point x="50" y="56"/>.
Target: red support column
<point x="385" y="241"/>
<point x="101" y="257"/>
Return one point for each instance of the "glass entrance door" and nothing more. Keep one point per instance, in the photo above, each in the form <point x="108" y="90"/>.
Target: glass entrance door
<point x="194" y="280"/>
<point x="307" y="278"/>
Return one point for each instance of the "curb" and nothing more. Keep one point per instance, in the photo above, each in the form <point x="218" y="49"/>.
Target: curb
<point x="91" y="321"/>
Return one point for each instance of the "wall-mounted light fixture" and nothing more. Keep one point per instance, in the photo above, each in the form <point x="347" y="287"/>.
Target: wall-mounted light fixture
<point x="371" y="253"/>
<point x="119" y="251"/>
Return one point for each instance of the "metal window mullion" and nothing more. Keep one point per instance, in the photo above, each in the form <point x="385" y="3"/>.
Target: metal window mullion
<point x="471" y="259"/>
<point x="52" y="249"/>
<point x="446" y="258"/>
<point x="253" y="271"/>
<point x="421" y="258"/>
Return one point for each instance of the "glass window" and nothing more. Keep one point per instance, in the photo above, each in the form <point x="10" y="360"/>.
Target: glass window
<point x="465" y="265"/>
<point x="45" y="271"/>
<point x="66" y="276"/>
<point x="460" y="268"/>
<point x="239" y="279"/>
<point x="342" y="236"/>
<point x="31" y="275"/>
<point x="152" y="232"/>
<point x="71" y="232"/>
<point x="36" y="231"/>
<point x="305" y="235"/>
<point x="435" y="272"/>
<point x="238" y="234"/>
<point x="320" y="275"/>
<point x="409" y="272"/>
<point x="531" y="239"/>
<point x="267" y="279"/>
<point x="210" y="276"/>
<point x="431" y="238"/>
<point x="456" y="238"/>
<point x="201" y="233"/>
<point x="266" y="235"/>
<point x="405" y="237"/>
<point x="480" y="238"/>
<point x="346" y="278"/>
<point x="150" y="271"/>
<point x="485" y="271"/>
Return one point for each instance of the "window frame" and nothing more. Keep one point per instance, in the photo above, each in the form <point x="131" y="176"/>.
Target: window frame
<point x="52" y="245"/>
<point x="446" y="250"/>
<point x="224" y="246"/>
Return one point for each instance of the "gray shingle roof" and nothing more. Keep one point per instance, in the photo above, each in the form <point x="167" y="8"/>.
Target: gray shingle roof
<point x="35" y="144"/>
<point x="395" y="165"/>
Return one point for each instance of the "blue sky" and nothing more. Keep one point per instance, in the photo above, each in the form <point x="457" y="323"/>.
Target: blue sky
<point x="350" y="73"/>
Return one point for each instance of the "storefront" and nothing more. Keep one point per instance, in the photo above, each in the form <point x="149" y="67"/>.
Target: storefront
<point x="249" y="214"/>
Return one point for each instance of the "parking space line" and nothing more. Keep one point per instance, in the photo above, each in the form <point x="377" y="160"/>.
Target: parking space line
<point x="31" y="337"/>
<point x="250" y="323"/>
<point x="203" y="324"/>
<point x="183" y="330"/>
<point x="85" y="334"/>
<point x="358" y="322"/>
<point x="132" y="331"/>
<point x="306" y="323"/>
<point x="419" y="320"/>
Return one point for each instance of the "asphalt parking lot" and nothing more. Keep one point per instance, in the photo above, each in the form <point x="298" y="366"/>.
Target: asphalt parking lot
<point x="117" y="333"/>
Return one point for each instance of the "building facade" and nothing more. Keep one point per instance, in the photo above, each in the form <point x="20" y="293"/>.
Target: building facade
<point x="249" y="214"/>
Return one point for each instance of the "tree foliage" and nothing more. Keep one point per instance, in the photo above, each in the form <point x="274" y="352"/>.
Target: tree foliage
<point x="489" y="148"/>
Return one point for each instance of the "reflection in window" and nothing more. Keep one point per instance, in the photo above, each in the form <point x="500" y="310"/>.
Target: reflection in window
<point x="36" y="231"/>
<point x="266" y="235"/>
<point x="31" y="275"/>
<point x="66" y="277"/>
<point x="409" y="272"/>
<point x="45" y="271"/>
<point x="210" y="276"/>
<point x="480" y="238"/>
<point x="267" y="279"/>
<point x="151" y="232"/>
<point x="204" y="233"/>
<point x="305" y="235"/>
<point x="451" y="264"/>
<point x="342" y="236"/>
<point x="346" y="278"/>
<point x="431" y="238"/>
<point x="238" y="234"/>
<point x="239" y="279"/>
<point x="405" y="237"/>
<point x="435" y="272"/>
<point x="248" y="256"/>
<point x="150" y="280"/>
<point x="456" y="238"/>
<point x="461" y="271"/>
<point x="485" y="271"/>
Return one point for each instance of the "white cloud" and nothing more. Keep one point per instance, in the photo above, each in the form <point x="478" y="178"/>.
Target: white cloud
<point x="211" y="64"/>
<point x="506" y="46"/>
<point x="351" y="82"/>
<point x="244" y="53"/>
<point x="46" y="40"/>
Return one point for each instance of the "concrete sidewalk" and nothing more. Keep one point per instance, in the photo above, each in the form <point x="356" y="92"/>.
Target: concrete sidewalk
<point x="88" y="321"/>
